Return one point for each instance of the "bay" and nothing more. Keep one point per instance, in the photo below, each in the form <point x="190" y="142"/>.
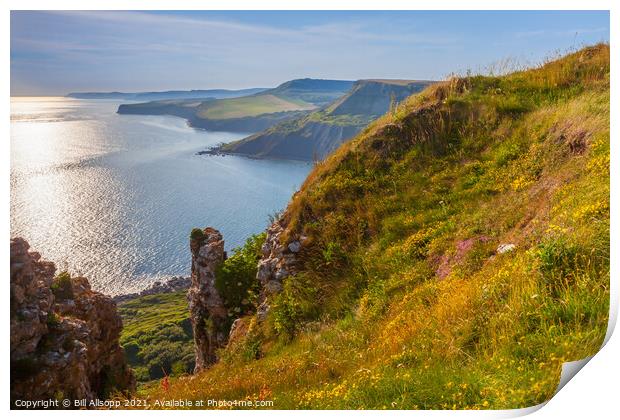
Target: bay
<point x="114" y="197"/>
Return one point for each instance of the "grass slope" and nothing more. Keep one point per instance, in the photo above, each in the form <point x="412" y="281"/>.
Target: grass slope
<point x="250" y="106"/>
<point x="404" y="301"/>
<point x="157" y="335"/>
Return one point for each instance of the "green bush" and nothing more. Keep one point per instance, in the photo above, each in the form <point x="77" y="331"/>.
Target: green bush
<point x="131" y="352"/>
<point x="141" y="373"/>
<point x="52" y="320"/>
<point x="62" y="287"/>
<point x="235" y="279"/>
<point x="557" y="263"/>
<point x="196" y="234"/>
<point x="296" y="304"/>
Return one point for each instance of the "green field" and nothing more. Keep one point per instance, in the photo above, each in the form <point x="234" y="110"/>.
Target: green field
<point x="250" y="106"/>
<point x="157" y="335"/>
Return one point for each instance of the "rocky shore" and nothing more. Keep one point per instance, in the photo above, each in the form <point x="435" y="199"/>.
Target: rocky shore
<point x="175" y="284"/>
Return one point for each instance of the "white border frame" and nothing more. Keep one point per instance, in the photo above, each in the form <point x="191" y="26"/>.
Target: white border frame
<point x="593" y="393"/>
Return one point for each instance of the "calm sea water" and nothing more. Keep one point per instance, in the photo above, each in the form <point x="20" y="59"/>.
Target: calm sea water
<point x="114" y="197"/>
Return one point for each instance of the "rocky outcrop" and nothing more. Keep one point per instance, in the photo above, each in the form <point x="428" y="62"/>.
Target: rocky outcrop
<point x="279" y="260"/>
<point x="64" y="336"/>
<point x="208" y="314"/>
<point x="175" y="284"/>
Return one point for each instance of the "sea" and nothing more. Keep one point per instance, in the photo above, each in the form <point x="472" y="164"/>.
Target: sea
<point x="114" y="197"/>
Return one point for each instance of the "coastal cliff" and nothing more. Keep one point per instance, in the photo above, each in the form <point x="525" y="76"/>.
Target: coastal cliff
<point x="64" y="336"/>
<point x="248" y="113"/>
<point x="451" y="256"/>
<point x="315" y="135"/>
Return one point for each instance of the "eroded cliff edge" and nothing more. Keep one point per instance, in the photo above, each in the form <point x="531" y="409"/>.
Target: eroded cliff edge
<point x="64" y="336"/>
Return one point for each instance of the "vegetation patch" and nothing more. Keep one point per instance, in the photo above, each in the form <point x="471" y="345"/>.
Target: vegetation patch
<point x="157" y="335"/>
<point x="62" y="287"/>
<point x="250" y="106"/>
<point x="235" y="279"/>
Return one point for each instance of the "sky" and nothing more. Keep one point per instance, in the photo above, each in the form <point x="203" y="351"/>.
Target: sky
<point x="57" y="52"/>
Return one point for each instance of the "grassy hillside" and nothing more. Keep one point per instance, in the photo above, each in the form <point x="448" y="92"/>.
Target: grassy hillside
<point x="250" y="106"/>
<point x="157" y="335"/>
<point x="458" y="253"/>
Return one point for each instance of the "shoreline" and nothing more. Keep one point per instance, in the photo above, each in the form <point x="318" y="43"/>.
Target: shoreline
<point x="174" y="284"/>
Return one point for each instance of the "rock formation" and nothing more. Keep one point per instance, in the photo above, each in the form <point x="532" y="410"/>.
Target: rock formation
<point x="64" y="336"/>
<point x="208" y="314"/>
<point x="279" y="260"/>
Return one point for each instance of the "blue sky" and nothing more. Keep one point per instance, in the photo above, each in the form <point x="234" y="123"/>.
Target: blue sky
<point x="56" y="52"/>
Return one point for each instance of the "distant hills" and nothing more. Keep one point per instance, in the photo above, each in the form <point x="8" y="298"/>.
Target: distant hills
<point x="319" y="92"/>
<point x="168" y="94"/>
<point x="313" y="136"/>
<point x="248" y="113"/>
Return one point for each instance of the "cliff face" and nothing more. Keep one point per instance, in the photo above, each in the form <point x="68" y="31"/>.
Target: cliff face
<point x="207" y="311"/>
<point x="279" y="260"/>
<point x="374" y="97"/>
<point x="64" y="336"/>
<point x="315" y="136"/>
<point x="311" y="141"/>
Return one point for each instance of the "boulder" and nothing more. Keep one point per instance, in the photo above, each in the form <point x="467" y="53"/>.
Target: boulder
<point x="503" y="248"/>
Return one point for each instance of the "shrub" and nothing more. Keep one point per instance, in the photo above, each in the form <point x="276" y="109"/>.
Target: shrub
<point x="557" y="263"/>
<point x="52" y="320"/>
<point x="141" y="374"/>
<point x="334" y="257"/>
<point x="62" y="287"/>
<point x="295" y="304"/>
<point x="235" y="279"/>
<point x="179" y="368"/>
<point x="196" y="234"/>
<point x="131" y="352"/>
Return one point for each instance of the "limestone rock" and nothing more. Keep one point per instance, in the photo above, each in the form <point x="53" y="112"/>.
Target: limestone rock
<point x="279" y="261"/>
<point x="294" y="246"/>
<point x="61" y="345"/>
<point x="208" y="314"/>
<point x="503" y="248"/>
